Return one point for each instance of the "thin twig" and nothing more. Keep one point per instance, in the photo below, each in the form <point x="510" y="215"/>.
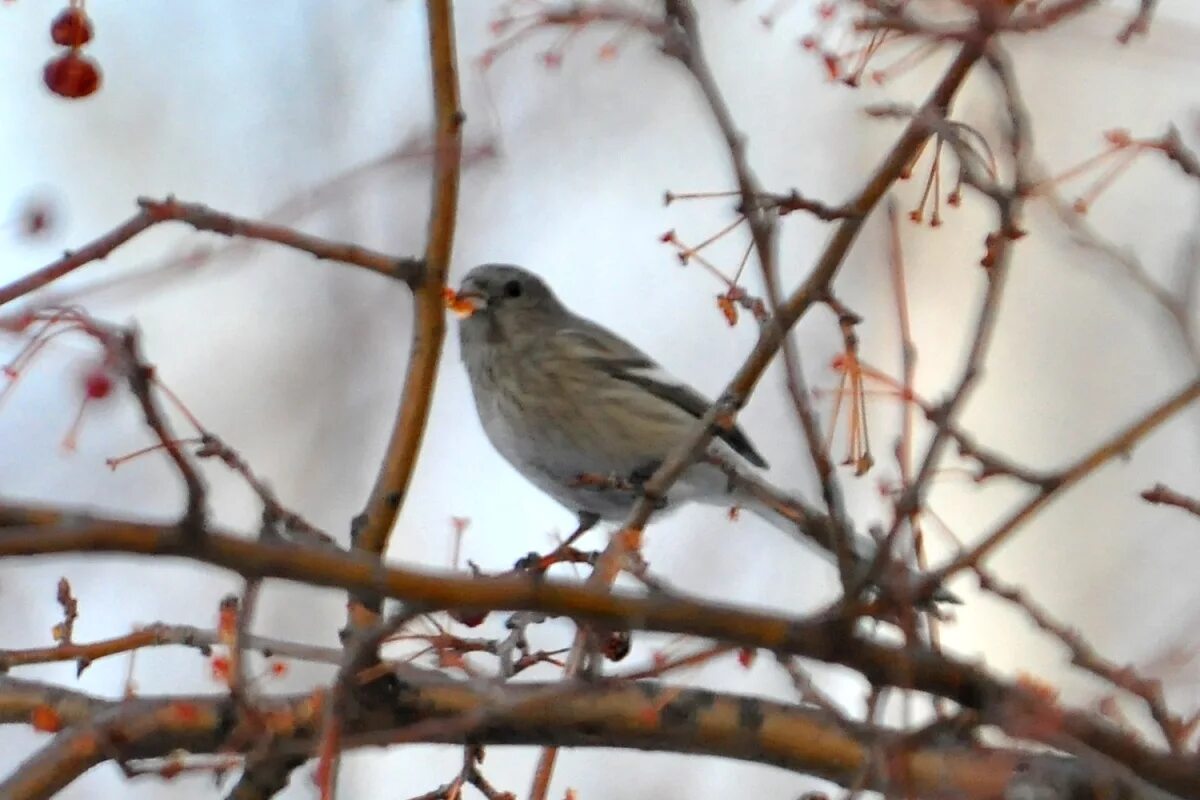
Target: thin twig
<point x="159" y="635"/>
<point x="140" y="376"/>
<point x="761" y="211"/>
<point x="1008" y="205"/>
<point x="1115" y="447"/>
<point x="814" y="288"/>
<point x="1084" y="656"/>
<point x="1161" y="494"/>
<point x="201" y="217"/>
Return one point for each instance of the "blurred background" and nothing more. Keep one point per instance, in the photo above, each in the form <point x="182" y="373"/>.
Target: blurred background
<point x="318" y="115"/>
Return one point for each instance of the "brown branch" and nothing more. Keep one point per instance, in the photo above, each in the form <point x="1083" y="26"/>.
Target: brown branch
<point x="794" y="201"/>
<point x="265" y="776"/>
<point x="140" y="375"/>
<point x="32" y="531"/>
<point x="814" y="288"/>
<point x="997" y="16"/>
<point x="374" y="525"/>
<point x="93" y="251"/>
<point x="64" y="632"/>
<point x="1085" y="656"/>
<point x="1177" y="307"/>
<point x="1140" y="23"/>
<point x="1161" y="494"/>
<point x="202" y="218"/>
<point x="1115" y="447"/>
<point x="990" y="462"/>
<point x="19" y="699"/>
<point x="644" y="716"/>
<point x="159" y="635"/>
<point x="239" y="682"/>
<point x="621" y="547"/>
<point x="1048" y="15"/>
<point x="1008" y="204"/>
<point x="761" y="210"/>
<point x="1172" y="145"/>
<point x="289" y="212"/>
<point x="212" y="446"/>
<point x="682" y="42"/>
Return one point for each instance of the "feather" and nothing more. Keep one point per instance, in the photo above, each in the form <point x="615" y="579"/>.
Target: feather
<point x="621" y="360"/>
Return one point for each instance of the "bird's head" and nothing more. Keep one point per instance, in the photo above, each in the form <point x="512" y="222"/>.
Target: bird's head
<point x="500" y="292"/>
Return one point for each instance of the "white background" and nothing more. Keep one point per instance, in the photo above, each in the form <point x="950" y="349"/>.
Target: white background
<point x="298" y="364"/>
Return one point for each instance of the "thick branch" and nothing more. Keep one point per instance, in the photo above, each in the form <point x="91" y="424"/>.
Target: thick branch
<point x="645" y="716"/>
<point x="32" y="531"/>
<point x="374" y="525"/>
<point x="71" y="261"/>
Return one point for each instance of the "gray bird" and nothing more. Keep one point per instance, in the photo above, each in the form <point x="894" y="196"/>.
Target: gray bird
<point x="586" y="416"/>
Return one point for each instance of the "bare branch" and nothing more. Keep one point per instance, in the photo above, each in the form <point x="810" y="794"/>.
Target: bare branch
<point x="373" y="526"/>
<point x="203" y="218"/>
<point x="200" y="217"/>
<point x="31" y="531"/>
<point x="1165" y="495"/>
<point x="641" y="715"/>
<point x="1140" y="24"/>
<point x="1120" y="444"/>
<point x="139" y="374"/>
<point x="1084" y="656"/>
<point x="814" y="288"/>
<point x="161" y="634"/>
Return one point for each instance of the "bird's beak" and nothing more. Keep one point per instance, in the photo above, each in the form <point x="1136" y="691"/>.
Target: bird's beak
<point x="464" y="302"/>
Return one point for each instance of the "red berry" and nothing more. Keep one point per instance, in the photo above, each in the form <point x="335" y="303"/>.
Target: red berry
<point x="745" y="656"/>
<point x="36" y="217"/>
<point x="220" y="667"/>
<point x="617" y="646"/>
<point x="71" y="28"/>
<point x="34" y="221"/>
<point x="72" y="75"/>
<point x="472" y="619"/>
<point x="45" y="719"/>
<point x="97" y="384"/>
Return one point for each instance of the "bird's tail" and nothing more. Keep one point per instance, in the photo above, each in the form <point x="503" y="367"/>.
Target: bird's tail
<point x="812" y="528"/>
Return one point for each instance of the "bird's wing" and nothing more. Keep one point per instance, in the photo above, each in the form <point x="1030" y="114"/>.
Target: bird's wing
<point x="623" y="361"/>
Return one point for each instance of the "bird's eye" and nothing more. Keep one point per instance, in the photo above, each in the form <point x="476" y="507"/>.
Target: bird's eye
<point x="512" y="289"/>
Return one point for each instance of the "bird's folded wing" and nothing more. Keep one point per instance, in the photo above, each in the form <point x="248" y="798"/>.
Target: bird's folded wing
<point x="621" y="360"/>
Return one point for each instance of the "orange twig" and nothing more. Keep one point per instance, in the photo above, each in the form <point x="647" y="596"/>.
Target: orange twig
<point x="373" y="527"/>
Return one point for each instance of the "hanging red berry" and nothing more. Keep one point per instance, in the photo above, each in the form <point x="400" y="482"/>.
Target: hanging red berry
<point x="72" y="75"/>
<point x="71" y="28"/>
<point x="97" y="384"/>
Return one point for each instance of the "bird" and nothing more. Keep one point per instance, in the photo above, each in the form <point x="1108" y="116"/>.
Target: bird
<point x="587" y="417"/>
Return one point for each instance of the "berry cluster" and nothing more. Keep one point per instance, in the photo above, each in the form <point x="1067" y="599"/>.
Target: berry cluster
<point x="72" y="74"/>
